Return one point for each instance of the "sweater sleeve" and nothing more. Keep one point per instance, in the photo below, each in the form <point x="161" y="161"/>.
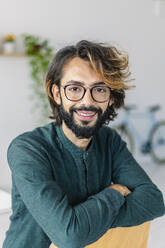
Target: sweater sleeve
<point x="67" y="226"/>
<point x="145" y="203"/>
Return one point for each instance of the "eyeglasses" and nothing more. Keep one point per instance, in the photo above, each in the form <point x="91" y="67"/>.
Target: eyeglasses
<point x="75" y="92"/>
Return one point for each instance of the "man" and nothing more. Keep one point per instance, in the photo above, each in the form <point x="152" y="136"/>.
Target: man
<point x="74" y="178"/>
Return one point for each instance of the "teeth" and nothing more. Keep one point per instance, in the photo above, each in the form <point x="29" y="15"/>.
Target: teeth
<point x="85" y="114"/>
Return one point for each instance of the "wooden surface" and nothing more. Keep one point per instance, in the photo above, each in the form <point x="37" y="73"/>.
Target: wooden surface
<point x="123" y="237"/>
<point x="12" y="55"/>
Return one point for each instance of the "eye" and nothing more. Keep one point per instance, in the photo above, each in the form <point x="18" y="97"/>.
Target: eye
<point x="100" y="89"/>
<point x="74" y="88"/>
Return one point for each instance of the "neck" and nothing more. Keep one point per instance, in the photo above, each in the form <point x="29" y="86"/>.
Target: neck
<point x="81" y="143"/>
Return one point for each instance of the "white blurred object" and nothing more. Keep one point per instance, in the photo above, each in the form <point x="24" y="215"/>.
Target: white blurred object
<point x="159" y="8"/>
<point x="8" y="47"/>
<point x="5" y="202"/>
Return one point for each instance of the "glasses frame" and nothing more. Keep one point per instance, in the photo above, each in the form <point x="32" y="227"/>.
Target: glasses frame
<point x="85" y="89"/>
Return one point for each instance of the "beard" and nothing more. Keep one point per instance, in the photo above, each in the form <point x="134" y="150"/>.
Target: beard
<point x="84" y="131"/>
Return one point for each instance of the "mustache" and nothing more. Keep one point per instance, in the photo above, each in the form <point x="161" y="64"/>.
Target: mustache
<point x="83" y="108"/>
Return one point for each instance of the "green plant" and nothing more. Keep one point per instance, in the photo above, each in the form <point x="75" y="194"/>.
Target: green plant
<point x="40" y="54"/>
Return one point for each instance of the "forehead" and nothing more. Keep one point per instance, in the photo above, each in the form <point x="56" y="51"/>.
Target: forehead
<point x="79" y="70"/>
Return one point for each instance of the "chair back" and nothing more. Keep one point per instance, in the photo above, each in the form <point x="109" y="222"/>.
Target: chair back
<point x="123" y="237"/>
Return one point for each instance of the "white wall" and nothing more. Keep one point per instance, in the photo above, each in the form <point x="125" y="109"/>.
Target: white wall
<point x="129" y="24"/>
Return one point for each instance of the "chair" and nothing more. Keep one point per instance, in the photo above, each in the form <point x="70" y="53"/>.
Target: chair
<point x="123" y="237"/>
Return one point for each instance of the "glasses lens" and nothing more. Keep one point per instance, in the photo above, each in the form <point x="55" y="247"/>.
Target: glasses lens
<point x="101" y="93"/>
<point x="74" y="92"/>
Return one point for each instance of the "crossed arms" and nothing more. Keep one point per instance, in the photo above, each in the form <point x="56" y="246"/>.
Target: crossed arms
<point x="77" y="226"/>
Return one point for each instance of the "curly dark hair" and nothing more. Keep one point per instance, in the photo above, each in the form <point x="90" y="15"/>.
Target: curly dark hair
<point x="111" y="64"/>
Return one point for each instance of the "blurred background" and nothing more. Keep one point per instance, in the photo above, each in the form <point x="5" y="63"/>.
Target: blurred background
<point x="137" y="27"/>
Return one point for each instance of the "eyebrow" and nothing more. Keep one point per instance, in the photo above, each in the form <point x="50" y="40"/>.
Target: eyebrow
<point x="82" y="83"/>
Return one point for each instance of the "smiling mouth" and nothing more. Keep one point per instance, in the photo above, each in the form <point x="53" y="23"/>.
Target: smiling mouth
<point x="85" y="115"/>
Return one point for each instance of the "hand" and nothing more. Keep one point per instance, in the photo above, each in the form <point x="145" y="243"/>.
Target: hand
<point x="121" y="188"/>
<point x="52" y="246"/>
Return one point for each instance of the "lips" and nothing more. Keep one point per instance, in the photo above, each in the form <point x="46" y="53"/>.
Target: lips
<point x="86" y="115"/>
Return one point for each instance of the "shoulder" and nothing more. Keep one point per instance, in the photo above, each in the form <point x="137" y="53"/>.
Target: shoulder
<point x="39" y="134"/>
<point x="108" y="137"/>
<point x="36" y="140"/>
<point x="109" y="133"/>
<point x="28" y="153"/>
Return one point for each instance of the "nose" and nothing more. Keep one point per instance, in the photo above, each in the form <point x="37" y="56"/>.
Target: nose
<point x="87" y="99"/>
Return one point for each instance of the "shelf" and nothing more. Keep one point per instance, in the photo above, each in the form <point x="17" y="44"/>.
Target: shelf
<point x="12" y="55"/>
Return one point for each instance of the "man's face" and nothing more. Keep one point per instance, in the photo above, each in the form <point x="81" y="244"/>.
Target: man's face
<point x="85" y="116"/>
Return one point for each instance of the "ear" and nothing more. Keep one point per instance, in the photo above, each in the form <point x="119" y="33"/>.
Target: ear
<point x="56" y="94"/>
<point x="111" y="102"/>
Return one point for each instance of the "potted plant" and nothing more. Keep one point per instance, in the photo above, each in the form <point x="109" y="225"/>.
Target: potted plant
<point x="9" y="44"/>
<point x="40" y="54"/>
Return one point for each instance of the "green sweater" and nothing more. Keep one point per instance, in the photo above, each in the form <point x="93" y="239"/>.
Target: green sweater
<point x="60" y="193"/>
